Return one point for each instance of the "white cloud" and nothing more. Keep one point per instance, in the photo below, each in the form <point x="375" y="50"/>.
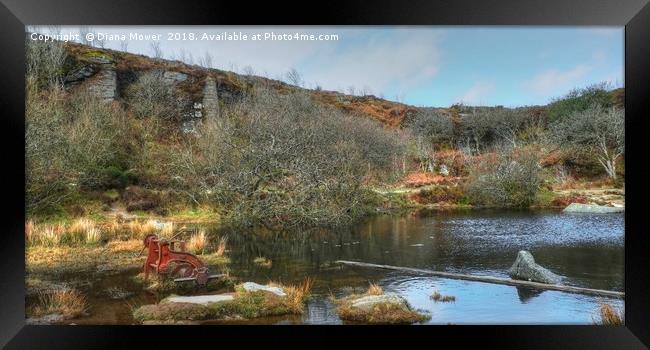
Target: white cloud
<point x="378" y="58"/>
<point x="395" y="60"/>
<point x="552" y="79"/>
<point x="478" y="93"/>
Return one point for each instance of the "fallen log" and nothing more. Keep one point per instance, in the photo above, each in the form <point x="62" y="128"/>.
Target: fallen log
<point x="489" y="279"/>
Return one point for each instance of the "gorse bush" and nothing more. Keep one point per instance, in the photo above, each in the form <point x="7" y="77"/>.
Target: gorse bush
<point x="283" y="159"/>
<point x="579" y="100"/>
<point x="508" y="179"/>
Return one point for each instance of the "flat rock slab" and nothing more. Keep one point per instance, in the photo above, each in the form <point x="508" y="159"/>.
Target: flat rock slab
<point x="47" y="319"/>
<point x="367" y="303"/>
<point x="201" y="299"/>
<point x="253" y="287"/>
<point x="592" y="208"/>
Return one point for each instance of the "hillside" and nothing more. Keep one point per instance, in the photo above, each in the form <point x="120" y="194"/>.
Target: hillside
<point x="109" y="73"/>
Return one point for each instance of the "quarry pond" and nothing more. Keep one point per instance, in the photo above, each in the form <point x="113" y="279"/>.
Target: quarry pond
<point x="585" y="249"/>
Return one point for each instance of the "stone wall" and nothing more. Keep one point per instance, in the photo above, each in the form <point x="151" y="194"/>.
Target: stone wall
<point x="104" y="83"/>
<point x="210" y="98"/>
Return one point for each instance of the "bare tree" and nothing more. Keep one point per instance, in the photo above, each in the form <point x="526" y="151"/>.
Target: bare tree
<point x="248" y="70"/>
<point x="293" y="76"/>
<point x="155" y="49"/>
<point x="597" y="130"/>
<point x="182" y="55"/>
<point x="206" y="60"/>
<point x="83" y="35"/>
<point x="351" y="90"/>
<point x="124" y="45"/>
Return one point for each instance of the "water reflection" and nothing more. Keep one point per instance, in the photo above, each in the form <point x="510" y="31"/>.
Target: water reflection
<point x="586" y="249"/>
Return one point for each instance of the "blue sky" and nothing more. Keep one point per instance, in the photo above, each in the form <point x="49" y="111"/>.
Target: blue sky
<point x="423" y="66"/>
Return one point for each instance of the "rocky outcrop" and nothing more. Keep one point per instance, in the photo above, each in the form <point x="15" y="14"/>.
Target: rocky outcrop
<point x="99" y="75"/>
<point x="592" y="208"/>
<point x="525" y="268"/>
<point x="210" y="98"/>
<point x="174" y="77"/>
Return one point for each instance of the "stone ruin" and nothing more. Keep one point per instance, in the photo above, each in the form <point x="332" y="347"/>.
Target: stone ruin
<point x="101" y="78"/>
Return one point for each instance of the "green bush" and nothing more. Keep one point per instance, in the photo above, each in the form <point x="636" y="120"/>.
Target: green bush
<point x="505" y="180"/>
<point x="580" y="100"/>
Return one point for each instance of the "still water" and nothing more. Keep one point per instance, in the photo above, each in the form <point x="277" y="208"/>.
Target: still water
<point x="586" y="249"/>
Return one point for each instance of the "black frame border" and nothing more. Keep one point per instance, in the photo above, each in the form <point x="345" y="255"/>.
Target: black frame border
<point x="633" y="14"/>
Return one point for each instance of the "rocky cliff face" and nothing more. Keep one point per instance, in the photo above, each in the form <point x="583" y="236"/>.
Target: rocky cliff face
<point x="200" y="91"/>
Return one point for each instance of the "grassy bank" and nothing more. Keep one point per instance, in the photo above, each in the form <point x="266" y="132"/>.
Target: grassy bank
<point x="243" y="305"/>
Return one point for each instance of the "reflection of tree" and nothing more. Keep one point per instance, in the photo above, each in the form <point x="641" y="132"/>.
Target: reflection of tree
<point x="525" y="294"/>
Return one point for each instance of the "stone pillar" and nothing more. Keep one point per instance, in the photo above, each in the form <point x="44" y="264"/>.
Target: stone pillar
<point x="104" y="83"/>
<point x="210" y="98"/>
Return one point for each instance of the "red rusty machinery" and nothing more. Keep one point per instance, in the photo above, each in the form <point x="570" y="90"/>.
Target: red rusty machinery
<point x="167" y="262"/>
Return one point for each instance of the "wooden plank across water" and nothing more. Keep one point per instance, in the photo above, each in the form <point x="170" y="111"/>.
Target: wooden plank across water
<point x="489" y="279"/>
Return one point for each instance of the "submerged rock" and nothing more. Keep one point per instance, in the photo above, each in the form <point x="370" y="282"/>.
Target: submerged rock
<point x="253" y="287"/>
<point x="592" y="208"/>
<point x="525" y="268"/>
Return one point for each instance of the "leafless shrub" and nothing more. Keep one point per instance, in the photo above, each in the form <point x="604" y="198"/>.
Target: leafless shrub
<point x="152" y="96"/>
<point x="156" y="50"/>
<point x="283" y="159"/>
<point x="45" y="62"/>
<point x="70" y="141"/>
<point x="598" y="130"/>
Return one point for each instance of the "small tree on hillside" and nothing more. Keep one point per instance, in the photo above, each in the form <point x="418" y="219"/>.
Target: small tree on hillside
<point x="600" y="129"/>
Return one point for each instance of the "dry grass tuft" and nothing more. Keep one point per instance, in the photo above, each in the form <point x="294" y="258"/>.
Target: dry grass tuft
<point x="68" y="302"/>
<point x="52" y="235"/>
<point x="374" y="289"/>
<point x="81" y="226"/>
<point x="30" y="230"/>
<point x="296" y="295"/>
<point x="384" y="313"/>
<point x="221" y="246"/>
<point x="610" y="316"/>
<point x="167" y="230"/>
<point x="262" y="261"/>
<point x="93" y="235"/>
<point x="44" y="235"/>
<point x="436" y="296"/>
<point x="140" y="229"/>
<point x="381" y="313"/>
<point x="198" y="242"/>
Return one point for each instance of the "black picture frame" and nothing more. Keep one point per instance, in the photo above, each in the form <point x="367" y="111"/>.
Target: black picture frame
<point x="633" y="14"/>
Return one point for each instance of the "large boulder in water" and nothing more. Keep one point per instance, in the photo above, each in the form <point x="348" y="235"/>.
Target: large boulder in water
<point x="592" y="208"/>
<point x="525" y="268"/>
